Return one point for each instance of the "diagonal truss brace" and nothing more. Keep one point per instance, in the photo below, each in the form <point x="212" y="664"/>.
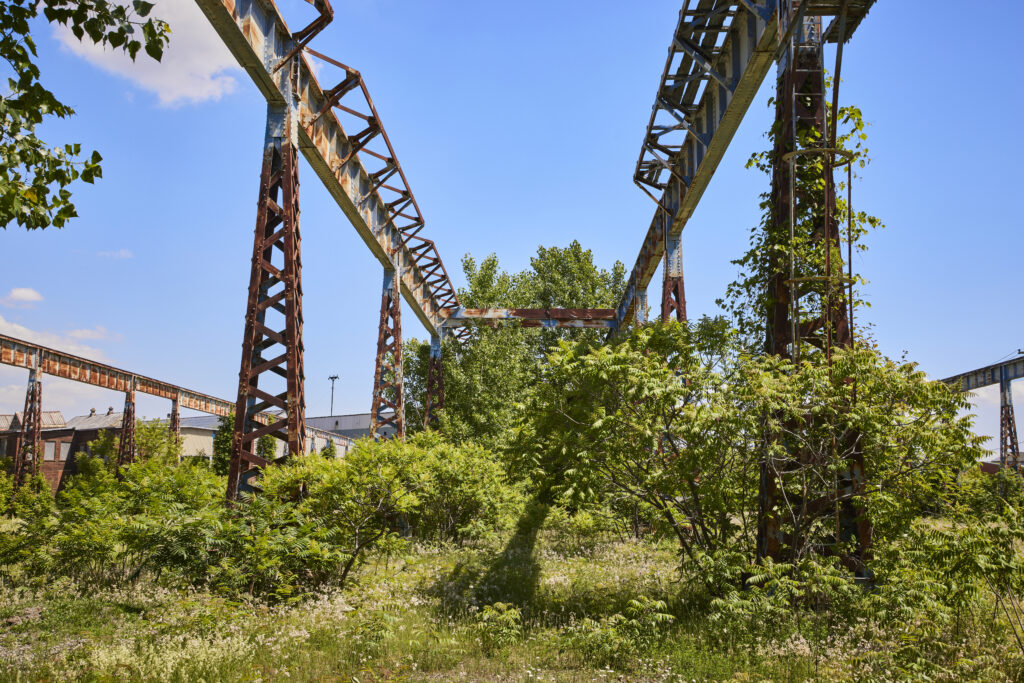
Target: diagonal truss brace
<point x="256" y="34"/>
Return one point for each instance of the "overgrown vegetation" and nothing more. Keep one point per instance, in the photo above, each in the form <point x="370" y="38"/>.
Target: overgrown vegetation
<point x="585" y="509"/>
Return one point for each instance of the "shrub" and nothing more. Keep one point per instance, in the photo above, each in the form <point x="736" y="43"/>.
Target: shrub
<point x="499" y="625"/>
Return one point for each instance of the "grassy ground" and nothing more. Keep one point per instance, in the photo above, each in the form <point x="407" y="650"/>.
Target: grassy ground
<point x="415" y="618"/>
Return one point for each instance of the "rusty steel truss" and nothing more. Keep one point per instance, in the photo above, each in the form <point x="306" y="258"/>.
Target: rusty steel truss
<point x="341" y="135"/>
<point x="272" y="342"/>
<point x="40" y="360"/>
<point x="388" y="406"/>
<point x="721" y="51"/>
<point x="28" y="449"/>
<point x="1002" y="374"/>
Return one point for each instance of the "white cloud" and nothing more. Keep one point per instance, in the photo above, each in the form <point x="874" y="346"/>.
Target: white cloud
<point x="196" y="66"/>
<point x="66" y="343"/>
<point x="95" y="333"/>
<point x="21" y="297"/>
<point x="69" y="397"/>
<point x="118" y="254"/>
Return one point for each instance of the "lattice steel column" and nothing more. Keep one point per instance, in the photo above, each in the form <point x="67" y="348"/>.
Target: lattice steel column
<point x="673" y="293"/>
<point x="126" y="444"/>
<point x="29" y="446"/>
<point x="641" y="306"/>
<point x="272" y="342"/>
<point x="435" y="381"/>
<point x="174" y="426"/>
<point x="1009" y="449"/>
<point x="805" y="199"/>
<point x="388" y="406"/>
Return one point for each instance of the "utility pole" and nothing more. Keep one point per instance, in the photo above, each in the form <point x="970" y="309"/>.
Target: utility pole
<point x="333" y="378"/>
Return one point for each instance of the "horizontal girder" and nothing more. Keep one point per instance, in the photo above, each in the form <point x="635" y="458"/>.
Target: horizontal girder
<point x="22" y="354"/>
<point x="599" y="318"/>
<point x="719" y="54"/>
<point x="987" y="376"/>
<point x="256" y="34"/>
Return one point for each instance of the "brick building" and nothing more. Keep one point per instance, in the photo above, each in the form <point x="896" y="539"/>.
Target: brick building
<point x="60" y="440"/>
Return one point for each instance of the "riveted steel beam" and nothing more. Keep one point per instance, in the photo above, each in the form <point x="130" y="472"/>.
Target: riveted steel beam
<point x="987" y="376"/>
<point x="719" y="54"/>
<point x="595" y="318"/>
<point x="28" y="449"/>
<point x="22" y="354"/>
<point x="256" y="34"/>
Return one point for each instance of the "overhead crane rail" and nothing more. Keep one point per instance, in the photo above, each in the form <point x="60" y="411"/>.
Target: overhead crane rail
<point x="368" y="184"/>
<point x="27" y="355"/>
<point x="719" y="54"/>
<point x="1002" y="374"/>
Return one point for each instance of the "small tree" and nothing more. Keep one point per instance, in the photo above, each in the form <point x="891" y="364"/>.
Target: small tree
<point x="154" y="440"/>
<point x="223" y="440"/>
<point x="34" y="178"/>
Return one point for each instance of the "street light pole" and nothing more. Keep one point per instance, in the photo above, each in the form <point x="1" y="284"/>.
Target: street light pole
<point x="332" y="378"/>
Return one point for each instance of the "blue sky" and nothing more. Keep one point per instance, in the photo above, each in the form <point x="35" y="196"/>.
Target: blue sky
<point x="517" y="125"/>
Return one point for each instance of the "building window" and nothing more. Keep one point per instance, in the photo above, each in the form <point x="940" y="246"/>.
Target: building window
<point x="49" y="450"/>
<point x="3" y="447"/>
<point x="65" y="448"/>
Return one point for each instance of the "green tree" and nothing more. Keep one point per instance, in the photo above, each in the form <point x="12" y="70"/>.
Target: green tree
<point x="330" y="450"/>
<point x="675" y="416"/>
<point x="34" y="178"/>
<point x="154" y="440"/>
<point x="223" y="439"/>
<point x="488" y="377"/>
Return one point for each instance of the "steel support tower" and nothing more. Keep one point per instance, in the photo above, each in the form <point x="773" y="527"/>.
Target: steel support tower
<point x="126" y="442"/>
<point x="673" y="292"/>
<point x="272" y="342"/>
<point x="435" y="382"/>
<point x="1009" y="447"/>
<point x="28" y="450"/>
<point x="174" y="423"/>
<point x="388" y="406"/>
<point x="804" y="194"/>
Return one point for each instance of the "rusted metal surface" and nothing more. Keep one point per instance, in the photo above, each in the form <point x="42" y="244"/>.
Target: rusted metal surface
<point x="28" y="450"/>
<point x="719" y="54"/>
<point x="20" y="353"/>
<point x="826" y="321"/>
<point x="358" y="167"/>
<point x="434" y="400"/>
<point x="1002" y="374"/>
<point x="126" y="439"/>
<point x="174" y="423"/>
<point x="673" y="291"/>
<point x="1009" y="447"/>
<point x="595" y="318"/>
<point x="388" y="405"/>
<point x="272" y="341"/>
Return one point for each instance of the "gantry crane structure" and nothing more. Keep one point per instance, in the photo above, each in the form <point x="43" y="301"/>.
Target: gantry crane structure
<point x="720" y="52"/>
<point x="1002" y="374"/>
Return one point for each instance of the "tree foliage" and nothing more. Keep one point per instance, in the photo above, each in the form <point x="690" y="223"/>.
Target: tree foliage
<point x="488" y="378"/>
<point x="34" y="178"/>
<point x="677" y="417"/>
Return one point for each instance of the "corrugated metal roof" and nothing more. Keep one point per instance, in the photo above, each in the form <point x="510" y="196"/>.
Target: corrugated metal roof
<point x="83" y="422"/>
<point x="351" y="426"/>
<point x="50" y="419"/>
<point x="208" y="422"/>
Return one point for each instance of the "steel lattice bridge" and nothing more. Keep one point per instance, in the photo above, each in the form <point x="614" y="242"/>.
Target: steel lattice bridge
<point x="718" y="56"/>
